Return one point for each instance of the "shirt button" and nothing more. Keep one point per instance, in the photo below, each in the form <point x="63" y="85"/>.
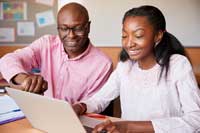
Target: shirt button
<point x="57" y="94"/>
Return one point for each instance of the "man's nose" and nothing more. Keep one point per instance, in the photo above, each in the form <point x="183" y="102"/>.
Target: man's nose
<point x="71" y="33"/>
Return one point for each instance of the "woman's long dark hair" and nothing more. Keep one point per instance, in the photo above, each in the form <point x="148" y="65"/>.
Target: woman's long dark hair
<point x="169" y="44"/>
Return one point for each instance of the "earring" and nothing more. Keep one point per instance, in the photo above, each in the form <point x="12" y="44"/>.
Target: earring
<point x="156" y="43"/>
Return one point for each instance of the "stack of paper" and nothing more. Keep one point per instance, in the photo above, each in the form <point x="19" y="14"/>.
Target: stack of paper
<point x="9" y="111"/>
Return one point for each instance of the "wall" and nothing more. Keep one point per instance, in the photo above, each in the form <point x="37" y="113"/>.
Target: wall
<point x="32" y="9"/>
<point x="182" y="18"/>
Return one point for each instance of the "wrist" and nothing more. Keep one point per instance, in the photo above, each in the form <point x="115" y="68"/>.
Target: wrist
<point x="83" y="108"/>
<point x="19" y="78"/>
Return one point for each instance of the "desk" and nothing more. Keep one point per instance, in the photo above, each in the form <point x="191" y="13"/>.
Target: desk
<point x="19" y="126"/>
<point x="23" y="126"/>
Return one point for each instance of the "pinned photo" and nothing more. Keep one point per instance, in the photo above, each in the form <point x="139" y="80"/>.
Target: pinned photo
<point x="45" y="18"/>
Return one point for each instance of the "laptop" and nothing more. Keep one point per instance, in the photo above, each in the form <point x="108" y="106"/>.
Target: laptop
<point x="47" y="114"/>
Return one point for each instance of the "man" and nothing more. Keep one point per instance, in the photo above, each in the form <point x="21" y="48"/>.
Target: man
<point x="73" y="68"/>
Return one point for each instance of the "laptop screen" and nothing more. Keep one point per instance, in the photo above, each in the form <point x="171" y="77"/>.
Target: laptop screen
<point x="47" y="114"/>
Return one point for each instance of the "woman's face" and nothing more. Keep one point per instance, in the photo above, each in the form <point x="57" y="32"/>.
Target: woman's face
<point x="138" y="38"/>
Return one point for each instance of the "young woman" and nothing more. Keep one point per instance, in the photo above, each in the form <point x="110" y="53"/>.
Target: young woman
<point x="154" y="79"/>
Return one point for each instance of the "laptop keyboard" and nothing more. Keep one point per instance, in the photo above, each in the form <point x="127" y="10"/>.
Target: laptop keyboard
<point x="88" y="129"/>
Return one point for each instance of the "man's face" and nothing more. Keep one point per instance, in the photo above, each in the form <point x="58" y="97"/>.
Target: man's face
<point x="73" y="30"/>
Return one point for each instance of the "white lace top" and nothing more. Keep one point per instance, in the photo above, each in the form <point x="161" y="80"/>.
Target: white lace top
<point x="172" y="104"/>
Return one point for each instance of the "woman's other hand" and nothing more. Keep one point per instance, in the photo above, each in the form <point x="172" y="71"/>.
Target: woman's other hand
<point x="106" y="127"/>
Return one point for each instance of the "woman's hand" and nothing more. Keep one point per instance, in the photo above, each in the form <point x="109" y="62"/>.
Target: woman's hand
<point x="79" y="108"/>
<point x="124" y="127"/>
<point x="106" y="127"/>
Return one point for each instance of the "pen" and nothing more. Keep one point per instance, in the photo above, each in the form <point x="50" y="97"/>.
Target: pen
<point x="96" y="116"/>
<point x="11" y="111"/>
<point x="2" y="90"/>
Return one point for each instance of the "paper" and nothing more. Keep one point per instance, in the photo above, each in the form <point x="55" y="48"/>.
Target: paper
<point x="7" y="35"/>
<point x="46" y="2"/>
<point x="89" y="122"/>
<point x="9" y="110"/>
<point x="25" y="29"/>
<point x="2" y="90"/>
<point x="14" y="11"/>
<point x="1" y="11"/>
<point x="45" y="18"/>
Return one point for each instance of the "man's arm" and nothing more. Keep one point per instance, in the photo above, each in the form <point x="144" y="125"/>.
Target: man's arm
<point x="29" y="82"/>
<point x="16" y="67"/>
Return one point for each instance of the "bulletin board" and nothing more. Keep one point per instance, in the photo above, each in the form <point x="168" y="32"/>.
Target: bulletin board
<point x="23" y="21"/>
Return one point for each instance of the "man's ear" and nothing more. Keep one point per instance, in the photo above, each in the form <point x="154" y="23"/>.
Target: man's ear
<point x="158" y="36"/>
<point x="89" y="27"/>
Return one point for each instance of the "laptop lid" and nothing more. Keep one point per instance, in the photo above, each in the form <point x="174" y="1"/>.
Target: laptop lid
<point x="47" y="114"/>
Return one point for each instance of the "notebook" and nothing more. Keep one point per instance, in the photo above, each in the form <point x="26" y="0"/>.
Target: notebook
<point x="9" y="111"/>
<point x="47" y="114"/>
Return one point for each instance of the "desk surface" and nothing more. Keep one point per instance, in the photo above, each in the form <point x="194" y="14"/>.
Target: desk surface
<point x="23" y="126"/>
<point x="19" y="126"/>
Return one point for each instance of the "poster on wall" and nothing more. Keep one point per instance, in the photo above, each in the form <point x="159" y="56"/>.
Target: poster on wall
<point x="45" y="2"/>
<point x="25" y="28"/>
<point x="7" y="35"/>
<point x="1" y="11"/>
<point x="14" y="11"/>
<point x="45" y="18"/>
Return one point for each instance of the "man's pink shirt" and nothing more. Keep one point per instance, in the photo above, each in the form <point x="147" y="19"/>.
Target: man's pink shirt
<point x="68" y="79"/>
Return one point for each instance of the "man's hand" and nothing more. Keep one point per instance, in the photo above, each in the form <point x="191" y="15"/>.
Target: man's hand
<point x="30" y="83"/>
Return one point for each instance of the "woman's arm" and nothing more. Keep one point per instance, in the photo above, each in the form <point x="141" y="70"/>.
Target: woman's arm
<point x="125" y="127"/>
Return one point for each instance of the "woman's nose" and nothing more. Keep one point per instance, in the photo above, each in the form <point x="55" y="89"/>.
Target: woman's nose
<point x="131" y="43"/>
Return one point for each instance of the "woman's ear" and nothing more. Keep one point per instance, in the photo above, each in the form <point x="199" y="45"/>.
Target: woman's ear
<point x="158" y="37"/>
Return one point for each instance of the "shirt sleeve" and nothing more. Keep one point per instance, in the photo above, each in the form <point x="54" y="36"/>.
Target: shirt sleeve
<point x="189" y="96"/>
<point x="22" y="60"/>
<point x="100" y="100"/>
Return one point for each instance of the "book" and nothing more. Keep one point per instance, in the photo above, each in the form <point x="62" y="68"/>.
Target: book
<point x="9" y="111"/>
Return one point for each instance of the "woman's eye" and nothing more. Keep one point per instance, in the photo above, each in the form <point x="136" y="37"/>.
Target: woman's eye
<point x="124" y="36"/>
<point x="138" y="36"/>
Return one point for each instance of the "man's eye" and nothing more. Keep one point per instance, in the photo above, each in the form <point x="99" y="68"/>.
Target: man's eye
<point x="78" y="28"/>
<point x="63" y="28"/>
